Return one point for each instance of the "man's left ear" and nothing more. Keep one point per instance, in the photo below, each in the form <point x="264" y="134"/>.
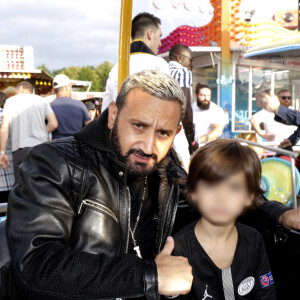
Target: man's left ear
<point x="149" y="34"/>
<point x="112" y="115"/>
<point x="178" y="129"/>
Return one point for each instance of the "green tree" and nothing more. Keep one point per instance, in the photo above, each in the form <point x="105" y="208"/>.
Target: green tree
<point x="103" y="71"/>
<point x="72" y="72"/>
<point x="98" y="75"/>
<point x="43" y="67"/>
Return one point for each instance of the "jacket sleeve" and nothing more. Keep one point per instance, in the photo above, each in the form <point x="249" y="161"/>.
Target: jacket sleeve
<point x="265" y="289"/>
<point x="40" y="218"/>
<point x="266" y="216"/>
<point x="292" y="117"/>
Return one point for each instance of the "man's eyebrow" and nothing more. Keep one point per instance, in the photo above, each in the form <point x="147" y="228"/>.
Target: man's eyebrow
<point x="168" y="131"/>
<point x="140" y="122"/>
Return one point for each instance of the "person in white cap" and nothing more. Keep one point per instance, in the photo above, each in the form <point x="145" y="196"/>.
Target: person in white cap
<point x="71" y="114"/>
<point x="23" y="120"/>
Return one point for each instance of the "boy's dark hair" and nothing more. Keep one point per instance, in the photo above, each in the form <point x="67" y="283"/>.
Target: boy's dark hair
<point x="142" y="22"/>
<point x="219" y="160"/>
<point x="201" y="86"/>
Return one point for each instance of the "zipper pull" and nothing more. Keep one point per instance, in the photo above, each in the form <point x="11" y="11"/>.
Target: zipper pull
<point x="79" y="211"/>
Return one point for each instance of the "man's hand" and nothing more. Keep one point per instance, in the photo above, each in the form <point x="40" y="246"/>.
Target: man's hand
<point x="174" y="272"/>
<point x="285" y="143"/>
<point x="291" y="219"/>
<point x="270" y="103"/>
<point x="4" y="161"/>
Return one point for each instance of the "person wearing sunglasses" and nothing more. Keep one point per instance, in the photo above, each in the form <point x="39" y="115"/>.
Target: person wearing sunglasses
<point x="283" y="113"/>
<point x="275" y="128"/>
<point x="284" y="97"/>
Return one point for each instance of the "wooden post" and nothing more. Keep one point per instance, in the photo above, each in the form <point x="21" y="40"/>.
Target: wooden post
<point x="124" y="41"/>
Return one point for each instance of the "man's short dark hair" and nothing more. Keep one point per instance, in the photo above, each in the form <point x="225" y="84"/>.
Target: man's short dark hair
<point x="25" y="85"/>
<point x="3" y="98"/>
<point x="283" y="91"/>
<point x="142" y="22"/>
<point x="177" y="50"/>
<point x="201" y="86"/>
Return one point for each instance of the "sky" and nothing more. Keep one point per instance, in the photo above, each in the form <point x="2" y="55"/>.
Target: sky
<point x="67" y="33"/>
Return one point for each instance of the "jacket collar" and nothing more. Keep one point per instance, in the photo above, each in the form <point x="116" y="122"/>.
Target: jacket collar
<point x="96" y="134"/>
<point x="138" y="46"/>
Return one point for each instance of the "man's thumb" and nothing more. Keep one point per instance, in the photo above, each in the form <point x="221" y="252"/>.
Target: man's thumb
<point x="169" y="246"/>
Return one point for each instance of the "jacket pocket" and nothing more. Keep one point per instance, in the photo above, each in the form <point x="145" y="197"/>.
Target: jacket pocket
<point x="96" y="229"/>
<point x="98" y="207"/>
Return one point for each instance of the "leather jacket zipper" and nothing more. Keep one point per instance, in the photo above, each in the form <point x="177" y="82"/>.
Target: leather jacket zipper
<point x="97" y="206"/>
<point x="129" y="214"/>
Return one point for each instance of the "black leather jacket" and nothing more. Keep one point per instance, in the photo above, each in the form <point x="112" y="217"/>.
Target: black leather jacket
<point x="68" y="221"/>
<point x="68" y="215"/>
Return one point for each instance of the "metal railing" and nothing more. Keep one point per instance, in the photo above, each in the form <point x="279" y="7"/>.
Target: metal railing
<point x="292" y="156"/>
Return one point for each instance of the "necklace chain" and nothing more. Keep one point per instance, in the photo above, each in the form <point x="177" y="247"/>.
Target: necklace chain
<point x="132" y="231"/>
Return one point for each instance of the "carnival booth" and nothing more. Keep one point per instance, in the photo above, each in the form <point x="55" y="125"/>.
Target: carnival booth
<point x="17" y="64"/>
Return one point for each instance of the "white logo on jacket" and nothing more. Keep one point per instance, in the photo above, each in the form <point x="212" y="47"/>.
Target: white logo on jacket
<point x="206" y="294"/>
<point x="246" y="286"/>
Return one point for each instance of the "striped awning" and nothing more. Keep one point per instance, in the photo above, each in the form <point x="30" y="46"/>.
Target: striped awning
<point x="283" y="48"/>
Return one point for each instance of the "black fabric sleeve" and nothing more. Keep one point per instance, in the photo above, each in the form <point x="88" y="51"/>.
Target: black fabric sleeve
<point x="290" y="115"/>
<point x="263" y="270"/>
<point x="39" y="224"/>
<point x="294" y="138"/>
<point x="266" y="216"/>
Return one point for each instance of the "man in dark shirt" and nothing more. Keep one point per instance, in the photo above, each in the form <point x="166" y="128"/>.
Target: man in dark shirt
<point x="71" y="114"/>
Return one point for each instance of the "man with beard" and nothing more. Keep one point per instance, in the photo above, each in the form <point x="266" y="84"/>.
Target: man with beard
<point x="85" y="209"/>
<point x="209" y="118"/>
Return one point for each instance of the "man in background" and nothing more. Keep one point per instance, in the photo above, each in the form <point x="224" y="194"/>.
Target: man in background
<point x="208" y="117"/>
<point x="274" y="129"/>
<point x="24" y="119"/>
<point x="180" y="65"/>
<point x="91" y="109"/>
<point x="71" y="114"/>
<point x="6" y="177"/>
<point x="145" y="33"/>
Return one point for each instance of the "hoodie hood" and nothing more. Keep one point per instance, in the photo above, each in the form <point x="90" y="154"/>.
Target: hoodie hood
<point x="96" y="134"/>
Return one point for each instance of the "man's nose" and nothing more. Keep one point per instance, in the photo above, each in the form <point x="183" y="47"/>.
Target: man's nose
<point x="148" y="143"/>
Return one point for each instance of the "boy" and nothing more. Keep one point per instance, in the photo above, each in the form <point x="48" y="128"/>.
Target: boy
<point x="229" y="260"/>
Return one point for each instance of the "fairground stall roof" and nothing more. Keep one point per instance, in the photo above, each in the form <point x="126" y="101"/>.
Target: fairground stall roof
<point x="279" y="48"/>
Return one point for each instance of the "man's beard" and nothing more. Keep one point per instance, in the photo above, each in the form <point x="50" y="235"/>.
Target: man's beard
<point x="203" y="106"/>
<point x="134" y="168"/>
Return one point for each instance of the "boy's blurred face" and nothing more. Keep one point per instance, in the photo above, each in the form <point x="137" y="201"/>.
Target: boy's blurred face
<point x="221" y="203"/>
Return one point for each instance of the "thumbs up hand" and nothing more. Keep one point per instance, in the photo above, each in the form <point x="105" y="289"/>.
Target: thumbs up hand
<point x="174" y="272"/>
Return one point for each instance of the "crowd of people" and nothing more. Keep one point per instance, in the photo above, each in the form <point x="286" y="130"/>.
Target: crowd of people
<point x="116" y="209"/>
<point x="28" y="120"/>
